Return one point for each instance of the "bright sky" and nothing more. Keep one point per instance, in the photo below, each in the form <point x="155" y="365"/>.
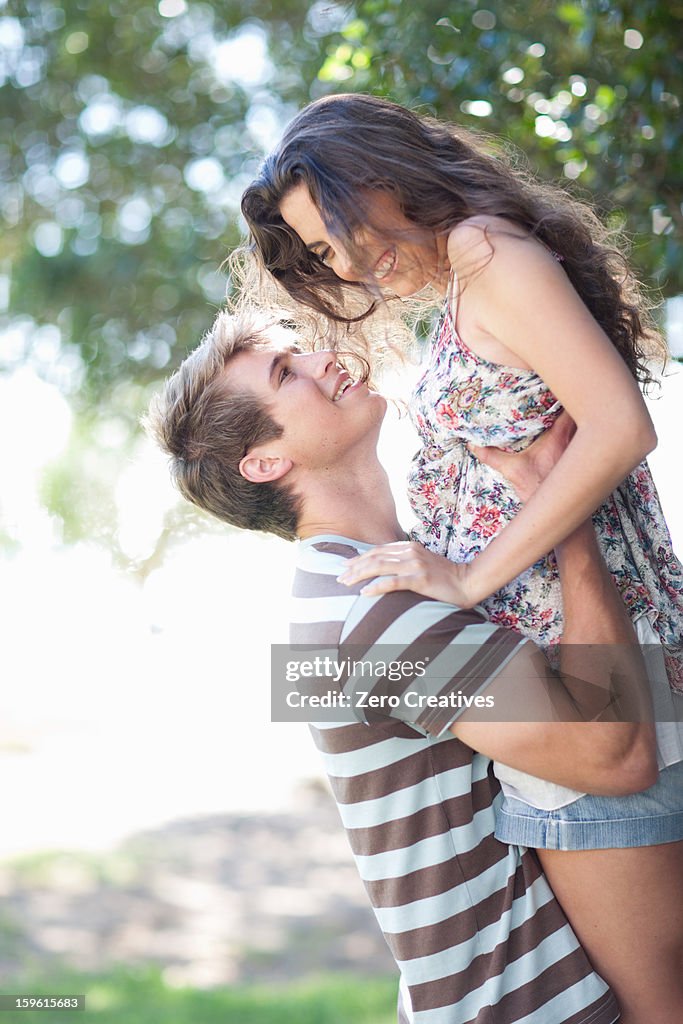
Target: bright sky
<point x="126" y="706"/>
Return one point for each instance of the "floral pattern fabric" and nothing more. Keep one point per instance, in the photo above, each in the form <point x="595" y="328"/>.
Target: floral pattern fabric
<point x="461" y="504"/>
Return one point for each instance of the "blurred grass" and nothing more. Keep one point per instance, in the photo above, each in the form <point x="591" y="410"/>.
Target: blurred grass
<point x="141" y="996"/>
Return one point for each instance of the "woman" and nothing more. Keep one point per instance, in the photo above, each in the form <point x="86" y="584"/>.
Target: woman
<point x="364" y="200"/>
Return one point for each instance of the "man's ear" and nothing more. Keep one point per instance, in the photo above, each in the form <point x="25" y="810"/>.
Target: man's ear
<point x="263" y="469"/>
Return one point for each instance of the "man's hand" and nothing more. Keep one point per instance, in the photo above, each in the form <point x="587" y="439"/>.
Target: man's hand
<point x="526" y="470"/>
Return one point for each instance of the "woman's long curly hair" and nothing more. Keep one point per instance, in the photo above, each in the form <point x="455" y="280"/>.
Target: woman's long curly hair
<point x="344" y="147"/>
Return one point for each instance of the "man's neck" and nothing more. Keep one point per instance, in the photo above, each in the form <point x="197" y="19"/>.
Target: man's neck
<point x="357" y="504"/>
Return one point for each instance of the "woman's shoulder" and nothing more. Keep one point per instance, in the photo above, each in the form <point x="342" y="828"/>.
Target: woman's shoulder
<point x="476" y="236"/>
<point x="484" y="223"/>
<point x="486" y="242"/>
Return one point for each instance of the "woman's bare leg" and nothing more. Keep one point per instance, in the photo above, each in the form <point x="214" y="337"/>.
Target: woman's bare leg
<point x="626" y="907"/>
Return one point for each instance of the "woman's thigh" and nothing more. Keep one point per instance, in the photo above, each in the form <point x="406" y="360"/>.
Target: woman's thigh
<point x="626" y="907"/>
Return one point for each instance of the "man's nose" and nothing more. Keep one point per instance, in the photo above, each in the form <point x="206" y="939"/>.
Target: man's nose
<point x="318" y="364"/>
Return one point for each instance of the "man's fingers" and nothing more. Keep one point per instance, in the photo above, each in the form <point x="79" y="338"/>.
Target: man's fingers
<point x="493" y="457"/>
<point x="564" y="423"/>
<point x="561" y="432"/>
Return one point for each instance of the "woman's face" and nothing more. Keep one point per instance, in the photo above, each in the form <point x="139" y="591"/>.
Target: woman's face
<point x="404" y="266"/>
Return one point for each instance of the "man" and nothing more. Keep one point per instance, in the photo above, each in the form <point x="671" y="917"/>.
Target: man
<point x="269" y="437"/>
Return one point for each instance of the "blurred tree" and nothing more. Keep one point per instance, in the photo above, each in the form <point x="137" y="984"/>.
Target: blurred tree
<point x="591" y="91"/>
<point x="129" y="129"/>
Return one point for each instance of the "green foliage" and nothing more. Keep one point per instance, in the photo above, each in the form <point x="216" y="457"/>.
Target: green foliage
<point x="129" y="128"/>
<point x="142" y="997"/>
<point x="590" y="92"/>
<point x="77" y="487"/>
<point x="113" y="225"/>
<point x="127" y="137"/>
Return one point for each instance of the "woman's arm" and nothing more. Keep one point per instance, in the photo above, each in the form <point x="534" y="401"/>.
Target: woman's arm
<point x="591" y="725"/>
<point x="525" y="301"/>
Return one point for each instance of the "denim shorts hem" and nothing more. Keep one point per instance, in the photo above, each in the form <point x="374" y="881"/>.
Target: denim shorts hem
<point x="650" y="818"/>
<point x="549" y="834"/>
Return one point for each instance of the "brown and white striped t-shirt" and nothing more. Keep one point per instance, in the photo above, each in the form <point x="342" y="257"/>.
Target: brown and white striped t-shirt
<point x="472" y="923"/>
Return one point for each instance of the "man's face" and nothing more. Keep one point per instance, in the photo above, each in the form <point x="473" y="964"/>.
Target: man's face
<point x="327" y="416"/>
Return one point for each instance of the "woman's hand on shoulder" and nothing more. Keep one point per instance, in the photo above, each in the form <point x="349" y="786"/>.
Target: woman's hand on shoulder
<point x="406" y="565"/>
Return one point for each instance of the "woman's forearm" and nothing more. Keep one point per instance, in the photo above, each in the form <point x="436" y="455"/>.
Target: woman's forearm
<point x="588" y="471"/>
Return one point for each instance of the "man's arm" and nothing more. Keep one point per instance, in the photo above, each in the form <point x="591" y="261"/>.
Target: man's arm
<point x="605" y="741"/>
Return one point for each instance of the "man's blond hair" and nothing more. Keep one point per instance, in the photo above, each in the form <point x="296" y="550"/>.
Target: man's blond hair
<point x="207" y="428"/>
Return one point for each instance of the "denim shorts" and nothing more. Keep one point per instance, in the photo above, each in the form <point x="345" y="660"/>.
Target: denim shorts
<point x="599" y="822"/>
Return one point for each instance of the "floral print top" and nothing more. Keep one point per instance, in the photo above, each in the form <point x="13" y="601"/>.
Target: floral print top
<point x="461" y="503"/>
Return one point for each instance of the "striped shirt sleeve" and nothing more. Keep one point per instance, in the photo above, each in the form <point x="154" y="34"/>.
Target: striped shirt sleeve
<point x="418" y="660"/>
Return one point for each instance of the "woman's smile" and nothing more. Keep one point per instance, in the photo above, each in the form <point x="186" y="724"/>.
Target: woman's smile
<point x="406" y="266"/>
